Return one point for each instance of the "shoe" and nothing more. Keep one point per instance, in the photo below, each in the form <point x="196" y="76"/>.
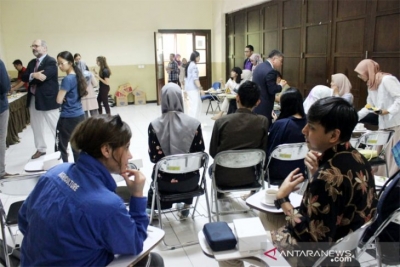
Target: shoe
<point x="183" y="212"/>
<point x="155" y="214"/>
<point x="38" y="154"/>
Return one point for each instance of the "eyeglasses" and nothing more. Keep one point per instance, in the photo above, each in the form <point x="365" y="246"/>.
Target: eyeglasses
<point x="62" y="63"/>
<point x="247" y="51"/>
<point x="35" y="46"/>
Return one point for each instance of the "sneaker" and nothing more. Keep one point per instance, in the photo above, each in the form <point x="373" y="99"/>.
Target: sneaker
<point x="155" y="214"/>
<point x="183" y="212"/>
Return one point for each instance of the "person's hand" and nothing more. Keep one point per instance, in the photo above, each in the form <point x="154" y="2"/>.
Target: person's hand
<point x="382" y="112"/>
<point x="185" y="95"/>
<point x="283" y="82"/>
<point x="311" y="161"/>
<point x="135" y="186"/>
<point x="335" y="90"/>
<point x="274" y="117"/>
<point x="39" y="75"/>
<point x="202" y="91"/>
<point x="290" y="183"/>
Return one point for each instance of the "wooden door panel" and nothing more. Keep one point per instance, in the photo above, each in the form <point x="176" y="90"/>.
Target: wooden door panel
<point x="385" y="5"/>
<point x="351" y="8"/>
<point x="239" y="51"/>
<point x="389" y="64"/>
<point x="315" y="72"/>
<point x="318" y="11"/>
<point x="317" y="39"/>
<point x="350" y="36"/>
<point x="291" y="42"/>
<point x="387" y="39"/>
<point x="291" y="71"/>
<point x="270" y="42"/>
<point x="239" y="24"/>
<point x="254" y="40"/>
<point x="271" y="17"/>
<point x="253" y="21"/>
<point x="292" y="13"/>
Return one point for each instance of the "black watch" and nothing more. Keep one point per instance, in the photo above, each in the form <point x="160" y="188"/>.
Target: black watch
<point x="278" y="202"/>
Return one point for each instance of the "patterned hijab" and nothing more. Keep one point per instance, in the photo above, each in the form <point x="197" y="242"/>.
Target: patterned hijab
<point x="342" y="83"/>
<point x="174" y="129"/>
<point x="257" y="59"/>
<point x="318" y="92"/>
<point x="371" y="70"/>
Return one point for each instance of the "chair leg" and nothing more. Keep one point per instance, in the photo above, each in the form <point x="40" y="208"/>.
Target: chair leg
<point x="5" y="247"/>
<point x="195" y="206"/>
<point x="208" y="202"/>
<point x="152" y="205"/>
<point x="216" y="203"/>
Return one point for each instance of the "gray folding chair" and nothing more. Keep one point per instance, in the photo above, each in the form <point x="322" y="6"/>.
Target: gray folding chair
<point x="371" y="141"/>
<point x="20" y="185"/>
<point x="179" y="164"/>
<point x="237" y="159"/>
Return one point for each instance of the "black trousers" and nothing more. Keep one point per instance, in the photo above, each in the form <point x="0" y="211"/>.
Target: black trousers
<point x="103" y="97"/>
<point x="65" y="127"/>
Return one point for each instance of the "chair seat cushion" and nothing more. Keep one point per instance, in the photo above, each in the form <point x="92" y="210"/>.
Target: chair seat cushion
<point x="205" y="97"/>
<point x="377" y="161"/>
<point x="165" y="196"/>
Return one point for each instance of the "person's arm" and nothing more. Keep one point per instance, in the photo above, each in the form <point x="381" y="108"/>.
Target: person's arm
<point x="155" y="151"/>
<point x="64" y="89"/>
<point x="4" y="79"/>
<point x="392" y="86"/>
<point x="272" y="86"/>
<point x="106" y="77"/>
<point x="60" y="96"/>
<point x="48" y="72"/>
<point x="364" y="111"/>
<point x="196" y="77"/>
<point x="17" y="85"/>
<point x="214" y="143"/>
<point x="198" y="142"/>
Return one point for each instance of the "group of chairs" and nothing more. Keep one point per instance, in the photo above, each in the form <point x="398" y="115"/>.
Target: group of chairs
<point x="212" y="98"/>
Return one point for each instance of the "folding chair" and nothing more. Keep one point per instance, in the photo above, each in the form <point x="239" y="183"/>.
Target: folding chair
<point x="179" y="164"/>
<point x="212" y="97"/>
<point x="384" y="230"/>
<point x="237" y="159"/>
<point x="20" y="185"/>
<point x="373" y="139"/>
<point x="347" y="243"/>
<point x="287" y="152"/>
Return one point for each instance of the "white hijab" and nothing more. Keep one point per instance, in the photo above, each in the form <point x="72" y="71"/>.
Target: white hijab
<point x="318" y="92"/>
<point x="174" y="130"/>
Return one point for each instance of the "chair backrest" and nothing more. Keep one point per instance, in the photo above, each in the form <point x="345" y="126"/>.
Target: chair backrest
<point x="182" y="163"/>
<point x="216" y="85"/>
<point x="375" y="138"/>
<point x="354" y="141"/>
<point x="287" y="152"/>
<point x="239" y="158"/>
<point x="21" y="185"/>
<point x="347" y="243"/>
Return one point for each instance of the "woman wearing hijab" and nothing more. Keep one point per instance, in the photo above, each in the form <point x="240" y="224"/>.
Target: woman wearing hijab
<point x="318" y="92"/>
<point x="383" y="94"/>
<point x="230" y="86"/>
<point x="341" y="87"/>
<point x="174" y="133"/>
<point x="256" y="60"/>
<point x="193" y="86"/>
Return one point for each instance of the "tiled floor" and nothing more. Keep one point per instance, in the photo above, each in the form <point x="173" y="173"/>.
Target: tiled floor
<point x="139" y="117"/>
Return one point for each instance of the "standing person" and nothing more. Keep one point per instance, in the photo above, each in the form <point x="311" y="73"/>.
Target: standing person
<point x="80" y="63"/>
<point x="41" y="73"/>
<point x="72" y="89"/>
<point x="173" y="70"/>
<point x="248" y="51"/>
<point x="255" y="60"/>
<point x="341" y="87"/>
<point x="89" y="101"/>
<point x="182" y="72"/>
<point x="384" y="94"/>
<point x="178" y="60"/>
<point x="85" y="221"/>
<point x="167" y="138"/>
<point x="21" y="69"/>
<point x="193" y="86"/>
<point x="265" y="76"/>
<point x="104" y="78"/>
<point x="316" y="93"/>
<point x="4" y="115"/>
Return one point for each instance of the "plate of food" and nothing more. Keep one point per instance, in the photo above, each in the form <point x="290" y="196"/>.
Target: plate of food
<point x="372" y="108"/>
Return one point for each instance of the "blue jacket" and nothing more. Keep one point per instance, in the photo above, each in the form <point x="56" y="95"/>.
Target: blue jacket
<point x="74" y="218"/>
<point x="5" y="87"/>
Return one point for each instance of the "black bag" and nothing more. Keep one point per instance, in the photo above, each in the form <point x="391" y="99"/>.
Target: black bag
<point x="219" y="236"/>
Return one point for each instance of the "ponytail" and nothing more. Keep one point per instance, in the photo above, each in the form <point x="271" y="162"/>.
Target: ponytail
<point x="81" y="81"/>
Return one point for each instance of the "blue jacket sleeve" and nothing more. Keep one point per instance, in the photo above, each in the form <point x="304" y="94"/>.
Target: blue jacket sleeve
<point x="124" y="232"/>
<point x="5" y="85"/>
<point x="272" y="86"/>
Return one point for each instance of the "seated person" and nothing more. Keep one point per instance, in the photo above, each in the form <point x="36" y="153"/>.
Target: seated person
<point x="340" y="196"/>
<point x="73" y="216"/>
<point x="174" y="133"/>
<point x="230" y="86"/>
<point x="19" y="83"/>
<point x="341" y="87"/>
<point x="284" y="88"/>
<point x="318" y="92"/>
<point x="246" y="76"/>
<point x="286" y="129"/>
<point x="240" y="130"/>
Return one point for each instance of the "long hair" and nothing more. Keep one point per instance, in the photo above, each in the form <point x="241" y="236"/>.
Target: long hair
<point x="238" y="71"/>
<point x="103" y="65"/>
<point x="192" y="58"/>
<point x="291" y="104"/>
<point x="80" y="79"/>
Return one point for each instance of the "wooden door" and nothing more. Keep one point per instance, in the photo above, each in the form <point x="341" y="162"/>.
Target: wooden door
<point x="270" y="24"/>
<point x="236" y="42"/>
<point x="202" y="44"/>
<point x="159" y="57"/>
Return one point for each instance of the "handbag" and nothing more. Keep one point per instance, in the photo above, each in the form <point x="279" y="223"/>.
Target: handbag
<point x="396" y="153"/>
<point x="219" y="236"/>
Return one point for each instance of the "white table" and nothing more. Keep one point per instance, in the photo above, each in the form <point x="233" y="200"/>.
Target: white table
<point x="255" y="202"/>
<point x="43" y="163"/>
<point x="235" y="254"/>
<point x="154" y="236"/>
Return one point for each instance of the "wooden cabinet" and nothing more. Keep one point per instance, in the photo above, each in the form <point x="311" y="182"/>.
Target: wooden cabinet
<point x="319" y="38"/>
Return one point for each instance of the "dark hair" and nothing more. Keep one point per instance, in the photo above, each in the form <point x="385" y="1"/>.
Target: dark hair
<point x="91" y="134"/>
<point x="334" y="113"/>
<point x="77" y="55"/>
<point x="249" y="94"/>
<point x="80" y="79"/>
<point x="275" y="53"/>
<point x="17" y="62"/>
<point x="239" y="73"/>
<point x="103" y="65"/>
<point x="250" y="47"/>
<point x="192" y="58"/>
<point x="291" y="103"/>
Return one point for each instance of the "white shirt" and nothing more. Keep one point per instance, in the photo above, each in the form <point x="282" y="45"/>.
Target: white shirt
<point x="386" y="97"/>
<point x="231" y="84"/>
<point x="192" y="75"/>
